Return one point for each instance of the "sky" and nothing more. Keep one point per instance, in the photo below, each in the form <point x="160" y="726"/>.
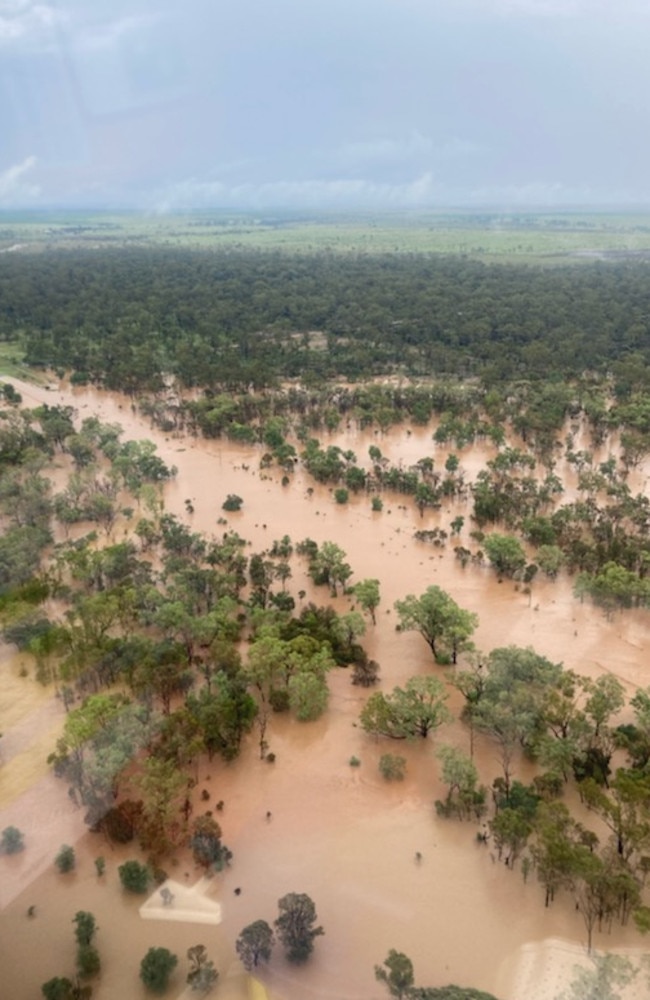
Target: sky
<point x="170" y="105"/>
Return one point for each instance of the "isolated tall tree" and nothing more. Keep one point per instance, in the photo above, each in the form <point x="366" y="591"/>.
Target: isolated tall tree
<point x="254" y="944"/>
<point x="367" y="594"/>
<point x="295" y="926"/>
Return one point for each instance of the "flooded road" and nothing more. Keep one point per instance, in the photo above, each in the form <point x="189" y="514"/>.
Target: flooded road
<point x="339" y="833"/>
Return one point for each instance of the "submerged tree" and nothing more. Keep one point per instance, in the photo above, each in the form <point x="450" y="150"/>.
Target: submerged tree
<point x="295" y="926"/>
<point x="367" y="594"/>
<point x="254" y="944"/>
<point x="396" y="974"/>
<point x="444" y="626"/>
<point x="202" y="976"/>
<point x="156" y="967"/>
<point x="12" y="840"/>
<point x="409" y="712"/>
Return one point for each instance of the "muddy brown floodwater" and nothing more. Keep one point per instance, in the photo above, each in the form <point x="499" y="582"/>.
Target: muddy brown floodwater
<point x="336" y="832"/>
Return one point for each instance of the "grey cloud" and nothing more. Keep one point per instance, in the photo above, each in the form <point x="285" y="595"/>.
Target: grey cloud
<point x="342" y="193"/>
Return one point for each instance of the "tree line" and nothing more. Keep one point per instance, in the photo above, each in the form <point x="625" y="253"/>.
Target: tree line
<point x="126" y="316"/>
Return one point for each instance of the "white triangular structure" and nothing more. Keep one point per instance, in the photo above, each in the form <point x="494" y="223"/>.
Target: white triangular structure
<point x="187" y="904"/>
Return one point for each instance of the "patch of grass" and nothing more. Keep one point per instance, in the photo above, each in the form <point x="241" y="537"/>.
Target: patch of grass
<point x="12" y="363"/>
<point x="550" y="237"/>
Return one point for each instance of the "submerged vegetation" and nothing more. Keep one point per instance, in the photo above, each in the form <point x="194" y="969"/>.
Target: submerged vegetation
<point x="166" y="645"/>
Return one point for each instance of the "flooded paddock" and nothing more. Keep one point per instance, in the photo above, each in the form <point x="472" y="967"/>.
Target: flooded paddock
<point x="339" y="833"/>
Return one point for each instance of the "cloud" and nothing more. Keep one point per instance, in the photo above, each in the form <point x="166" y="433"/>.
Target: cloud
<point x="14" y="189"/>
<point x="23" y="21"/>
<point x="40" y="27"/>
<point x="95" y="37"/>
<point x="342" y="193"/>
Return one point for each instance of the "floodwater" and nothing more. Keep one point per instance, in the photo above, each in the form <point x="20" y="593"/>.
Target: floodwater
<point x="339" y="833"/>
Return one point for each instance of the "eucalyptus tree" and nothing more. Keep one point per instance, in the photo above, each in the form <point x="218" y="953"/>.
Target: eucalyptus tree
<point x="445" y="627"/>
<point x="407" y="713"/>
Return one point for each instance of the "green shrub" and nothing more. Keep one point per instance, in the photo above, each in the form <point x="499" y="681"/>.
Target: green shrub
<point x="134" y="876"/>
<point x="11" y="841"/>
<point x="88" y="961"/>
<point x="65" y="859"/>
<point x="392" y="766"/>
<point x="232" y="502"/>
<point x="156" y="967"/>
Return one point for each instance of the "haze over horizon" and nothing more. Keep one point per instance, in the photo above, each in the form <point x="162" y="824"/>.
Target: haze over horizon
<point x="364" y="104"/>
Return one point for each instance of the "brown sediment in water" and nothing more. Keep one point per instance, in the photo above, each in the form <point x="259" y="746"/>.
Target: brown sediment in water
<point x="337" y="832"/>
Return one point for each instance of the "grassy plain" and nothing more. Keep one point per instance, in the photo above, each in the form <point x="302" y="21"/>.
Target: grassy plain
<point x="553" y="237"/>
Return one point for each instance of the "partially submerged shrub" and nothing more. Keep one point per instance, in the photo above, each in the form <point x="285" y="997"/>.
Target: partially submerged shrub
<point x="392" y="766"/>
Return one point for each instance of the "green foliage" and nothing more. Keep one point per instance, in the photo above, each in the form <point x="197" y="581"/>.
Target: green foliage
<point x="23" y="629"/>
<point x="368" y="596"/>
<point x="397" y="974"/>
<point x="254" y="944"/>
<point x="327" y="566"/>
<point x="392" y="767"/>
<point x="57" y="988"/>
<point x="614" y="587"/>
<point x="510" y="830"/>
<point x="20" y="553"/>
<point x="134" y="877"/>
<point x="224" y="713"/>
<point x="12" y="840"/>
<point x="440" y="621"/>
<point x="232" y="502"/>
<point x="65" y="860"/>
<point x="505" y="553"/>
<point x="85" y="927"/>
<point x="156" y="967"/>
<point x="409" y="712"/>
<point x="508" y="701"/>
<point x="88" y="961"/>
<point x="99" y="739"/>
<point x="464" y="796"/>
<point x="205" y="842"/>
<point x="202" y="976"/>
<point x="294" y="926"/>
<point x="550" y="559"/>
<point x="308" y="695"/>
<point x="341" y="495"/>
<point x="365" y="672"/>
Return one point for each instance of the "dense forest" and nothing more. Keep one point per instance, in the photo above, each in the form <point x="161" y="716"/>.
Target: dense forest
<point x="125" y="317"/>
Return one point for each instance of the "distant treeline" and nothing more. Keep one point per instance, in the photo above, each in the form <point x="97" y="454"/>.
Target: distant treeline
<point x="234" y="318"/>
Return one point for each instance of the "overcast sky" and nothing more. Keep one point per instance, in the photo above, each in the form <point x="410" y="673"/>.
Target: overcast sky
<point x="337" y="104"/>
